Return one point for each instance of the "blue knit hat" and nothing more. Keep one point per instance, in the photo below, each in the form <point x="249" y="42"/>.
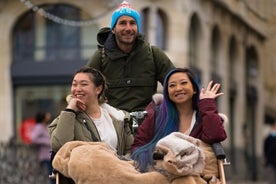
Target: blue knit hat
<point x="125" y="9"/>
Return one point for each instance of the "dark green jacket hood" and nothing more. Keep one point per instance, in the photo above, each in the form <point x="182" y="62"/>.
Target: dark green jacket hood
<point x="103" y="35"/>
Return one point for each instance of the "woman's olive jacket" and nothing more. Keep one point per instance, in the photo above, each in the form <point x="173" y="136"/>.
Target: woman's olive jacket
<point x="70" y="126"/>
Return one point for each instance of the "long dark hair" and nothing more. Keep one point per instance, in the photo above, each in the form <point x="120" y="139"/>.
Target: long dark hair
<point x="166" y="120"/>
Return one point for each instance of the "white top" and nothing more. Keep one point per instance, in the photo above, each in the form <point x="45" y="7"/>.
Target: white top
<point x="117" y="114"/>
<point x="192" y="124"/>
<point x="106" y="129"/>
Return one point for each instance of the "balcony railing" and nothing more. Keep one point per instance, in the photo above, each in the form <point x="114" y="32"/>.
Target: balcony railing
<point x="19" y="165"/>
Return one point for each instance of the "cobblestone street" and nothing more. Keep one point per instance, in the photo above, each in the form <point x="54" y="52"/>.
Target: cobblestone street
<point x="246" y="182"/>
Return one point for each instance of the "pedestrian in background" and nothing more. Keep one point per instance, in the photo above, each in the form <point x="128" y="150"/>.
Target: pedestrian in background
<point x="130" y="64"/>
<point x="270" y="153"/>
<point x="41" y="138"/>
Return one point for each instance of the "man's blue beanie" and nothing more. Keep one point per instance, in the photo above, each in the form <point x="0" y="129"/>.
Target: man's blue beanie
<point x="125" y="9"/>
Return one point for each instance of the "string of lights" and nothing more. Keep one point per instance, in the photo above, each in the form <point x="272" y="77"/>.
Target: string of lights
<point x="111" y="5"/>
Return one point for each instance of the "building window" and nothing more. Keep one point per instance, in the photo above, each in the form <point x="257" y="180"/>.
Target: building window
<point x="232" y="57"/>
<point x="161" y="29"/>
<point x="36" y="39"/>
<point x="62" y="42"/>
<point x="46" y="52"/>
<point x="145" y="21"/>
<point x="154" y="25"/>
<point x="194" y="38"/>
<point x="45" y="56"/>
<point x="251" y="66"/>
<point x="215" y="48"/>
<point x="24" y="38"/>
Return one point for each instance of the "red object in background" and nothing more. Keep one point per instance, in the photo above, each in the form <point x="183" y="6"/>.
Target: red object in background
<point x="26" y="129"/>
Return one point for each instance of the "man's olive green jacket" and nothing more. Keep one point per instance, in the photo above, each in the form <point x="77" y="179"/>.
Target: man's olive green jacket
<point x="131" y="78"/>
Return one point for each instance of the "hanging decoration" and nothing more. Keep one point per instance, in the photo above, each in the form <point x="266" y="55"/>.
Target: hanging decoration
<point x="112" y="4"/>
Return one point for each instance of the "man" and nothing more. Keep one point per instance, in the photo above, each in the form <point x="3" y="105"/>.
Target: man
<point x="270" y="152"/>
<point x="131" y="65"/>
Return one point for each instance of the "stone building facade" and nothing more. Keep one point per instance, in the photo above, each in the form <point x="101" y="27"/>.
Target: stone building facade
<point x="229" y="41"/>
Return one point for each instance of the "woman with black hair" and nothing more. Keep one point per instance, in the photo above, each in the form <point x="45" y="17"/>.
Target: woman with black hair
<point x="89" y="118"/>
<point x="184" y="108"/>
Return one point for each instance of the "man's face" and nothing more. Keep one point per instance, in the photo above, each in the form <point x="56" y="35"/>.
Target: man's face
<point x="125" y="30"/>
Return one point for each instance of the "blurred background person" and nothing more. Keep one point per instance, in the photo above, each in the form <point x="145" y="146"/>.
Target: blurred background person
<point x="41" y="138"/>
<point x="270" y="154"/>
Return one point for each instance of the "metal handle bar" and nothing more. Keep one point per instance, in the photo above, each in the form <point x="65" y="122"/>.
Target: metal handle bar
<point x="136" y="116"/>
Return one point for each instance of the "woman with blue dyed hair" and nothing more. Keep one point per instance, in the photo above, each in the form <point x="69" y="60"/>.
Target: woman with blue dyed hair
<point x="184" y="108"/>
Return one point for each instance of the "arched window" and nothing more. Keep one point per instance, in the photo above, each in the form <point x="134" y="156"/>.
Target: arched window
<point x="215" y="48"/>
<point x="154" y="25"/>
<point x="62" y="42"/>
<point x="194" y="34"/>
<point x="194" y="37"/>
<point x="145" y="21"/>
<point x="49" y="52"/>
<point x="161" y="29"/>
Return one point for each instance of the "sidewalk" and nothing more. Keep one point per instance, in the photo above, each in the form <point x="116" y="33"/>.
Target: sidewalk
<point x="246" y="182"/>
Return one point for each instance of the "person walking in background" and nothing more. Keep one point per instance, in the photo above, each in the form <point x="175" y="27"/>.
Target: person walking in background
<point x="270" y="153"/>
<point x="40" y="137"/>
<point x="184" y="108"/>
<point x="130" y="64"/>
<point x="89" y="118"/>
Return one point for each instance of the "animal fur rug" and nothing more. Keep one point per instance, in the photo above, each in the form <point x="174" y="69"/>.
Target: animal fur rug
<point x="96" y="163"/>
<point x="186" y="160"/>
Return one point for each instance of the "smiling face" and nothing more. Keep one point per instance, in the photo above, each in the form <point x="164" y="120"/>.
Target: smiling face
<point x="180" y="88"/>
<point x="84" y="89"/>
<point x="125" y="30"/>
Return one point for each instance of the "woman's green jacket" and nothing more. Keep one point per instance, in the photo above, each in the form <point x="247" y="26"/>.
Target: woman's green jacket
<point x="70" y="126"/>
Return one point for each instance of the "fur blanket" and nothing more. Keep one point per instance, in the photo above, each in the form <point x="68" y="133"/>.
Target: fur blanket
<point x="186" y="160"/>
<point x="94" y="162"/>
<point x="182" y="155"/>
